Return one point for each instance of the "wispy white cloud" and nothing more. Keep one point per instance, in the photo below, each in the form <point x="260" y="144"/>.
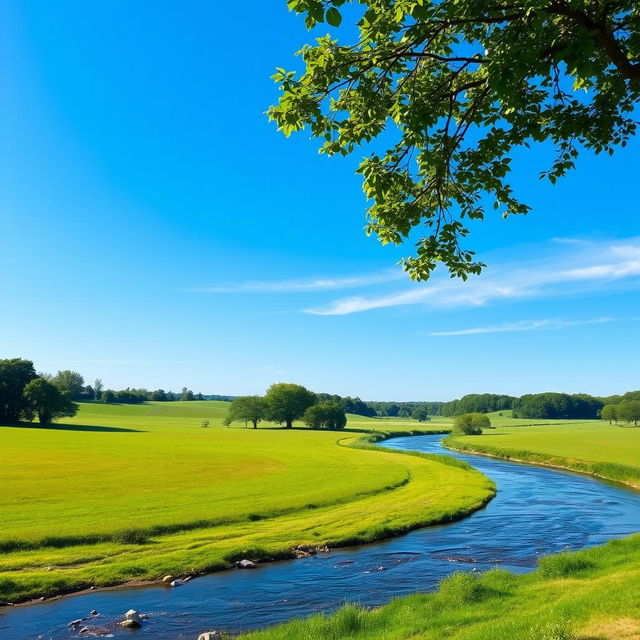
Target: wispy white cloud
<point x="525" y="325"/>
<point x="588" y="266"/>
<point x="305" y="285"/>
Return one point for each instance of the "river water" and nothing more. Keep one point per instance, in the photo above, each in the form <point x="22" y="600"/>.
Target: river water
<point x="537" y="511"/>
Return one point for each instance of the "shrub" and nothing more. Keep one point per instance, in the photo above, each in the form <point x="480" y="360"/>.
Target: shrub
<point x="564" y="564"/>
<point x="471" y="423"/>
<point x="131" y="536"/>
<point x="461" y="588"/>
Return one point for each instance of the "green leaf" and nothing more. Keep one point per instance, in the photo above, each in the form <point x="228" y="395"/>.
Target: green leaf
<point x="333" y="17"/>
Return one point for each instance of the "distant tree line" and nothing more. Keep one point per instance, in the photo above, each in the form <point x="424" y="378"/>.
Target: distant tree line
<point x="557" y="405"/>
<point x="477" y="403"/>
<point x="548" y="405"/>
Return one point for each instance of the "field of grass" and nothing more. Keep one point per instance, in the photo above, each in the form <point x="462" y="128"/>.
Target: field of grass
<point x="592" y="447"/>
<point x="130" y="493"/>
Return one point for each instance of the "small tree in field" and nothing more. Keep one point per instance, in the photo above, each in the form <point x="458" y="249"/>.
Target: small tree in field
<point x="421" y="414"/>
<point x="325" y="416"/>
<point x="609" y="412"/>
<point x="45" y="401"/>
<point x="471" y="423"/>
<point x="247" y="409"/>
<point x="287" y="402"/>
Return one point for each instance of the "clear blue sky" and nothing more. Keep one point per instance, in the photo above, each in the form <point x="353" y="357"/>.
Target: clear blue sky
<point x="157" y="231"/>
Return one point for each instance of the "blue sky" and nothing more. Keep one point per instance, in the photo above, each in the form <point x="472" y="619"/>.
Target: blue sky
<point x="157" y="231"/>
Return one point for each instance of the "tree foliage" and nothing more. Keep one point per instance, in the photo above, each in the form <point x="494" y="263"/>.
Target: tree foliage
<point x="15" y="374"/>
<point x="247" y="409"/>
<point x="609" y="412"/>
<point x="325" y="416"/>
<point x="471" y="423"/>
<point x="420" y="413"/>
<point x="44" y="400"/>
<point x="453" y="88"/>
<point x="287" y="402"/>
<point x="557" y="405"/>
<point x="477" y="403"/>
<point x="69" y="382"/>
<point x="629" y="411"/>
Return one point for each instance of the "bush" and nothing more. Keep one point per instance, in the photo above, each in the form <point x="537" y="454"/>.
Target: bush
<point x="461" y="588"/>
<point x="131" y="536"/>
<point x="562" y="565"/>
<point x="471" y="423"/>
<point x="325" y="416"/>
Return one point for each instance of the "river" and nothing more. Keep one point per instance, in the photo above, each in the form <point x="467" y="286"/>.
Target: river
<point x="537" y="511"/>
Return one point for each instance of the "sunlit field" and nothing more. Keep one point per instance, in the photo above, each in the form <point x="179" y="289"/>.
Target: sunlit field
<point x="596" y="447"/>
<point x="125" y="492"/>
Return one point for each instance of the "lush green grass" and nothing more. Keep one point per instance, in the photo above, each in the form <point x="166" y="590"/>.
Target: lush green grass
<point x="591" y="447"/>
<point x="587" y="595"/>
<point x="121" y="493"/>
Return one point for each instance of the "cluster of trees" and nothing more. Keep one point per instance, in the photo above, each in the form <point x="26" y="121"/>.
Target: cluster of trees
<point x="285" y="402"/>
<point x="26" y="395"/>
<point x="471" y="423"/>
<point x="477" y="403"/>
<point x="557" y="405"/>
<point x="624" y="408"/>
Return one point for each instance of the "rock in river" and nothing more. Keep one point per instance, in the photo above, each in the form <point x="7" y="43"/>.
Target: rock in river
<point x="130" y="624"/>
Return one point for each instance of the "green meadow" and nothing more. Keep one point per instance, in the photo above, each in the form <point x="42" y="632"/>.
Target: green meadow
<point x="594" y="447"/>
<point x="124" y="493"/>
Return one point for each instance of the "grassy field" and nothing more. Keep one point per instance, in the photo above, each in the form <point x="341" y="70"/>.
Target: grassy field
<point x="130" y="493"/>
<point x="586" y="595"/>
<point x="592" y="447"/>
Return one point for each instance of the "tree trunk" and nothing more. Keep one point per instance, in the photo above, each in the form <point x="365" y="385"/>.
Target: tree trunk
<point x="255" y="424"/>
<point x="289" y="424"/>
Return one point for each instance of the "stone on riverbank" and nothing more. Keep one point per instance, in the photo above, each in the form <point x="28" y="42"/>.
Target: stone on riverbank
<point x="245" y="564"/>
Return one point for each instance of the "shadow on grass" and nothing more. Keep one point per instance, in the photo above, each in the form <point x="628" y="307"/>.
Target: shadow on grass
<point x="72" y="427"/>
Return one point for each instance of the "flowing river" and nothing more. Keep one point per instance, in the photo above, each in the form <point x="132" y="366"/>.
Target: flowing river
<point x="536" y="512"/>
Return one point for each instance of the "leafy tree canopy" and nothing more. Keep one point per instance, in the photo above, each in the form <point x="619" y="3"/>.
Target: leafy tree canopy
<point x="44" y="400"/>
<point x="609" y="412"/>
<point x="247" y="409"/>
<point x="457" y="86"/>
<point x="15" y="373"/>
<point x="69" y="382"/>
<point x="629" y="410"/>
<point x="471" y="423"/>
<point x="287" y="402"/>
<point x="328" y="415"/>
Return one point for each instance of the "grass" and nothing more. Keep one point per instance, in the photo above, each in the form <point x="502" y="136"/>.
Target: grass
<point x="591" y="447"/>
<point x="123" y="493"/>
